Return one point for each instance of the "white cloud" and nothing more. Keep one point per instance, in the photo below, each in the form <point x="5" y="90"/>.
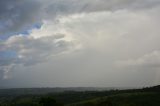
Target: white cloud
<point x="151" y="60"/>
<point x="37" y="47"/>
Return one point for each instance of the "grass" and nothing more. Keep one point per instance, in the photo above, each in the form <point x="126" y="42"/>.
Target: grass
<point x="126" y="99"/>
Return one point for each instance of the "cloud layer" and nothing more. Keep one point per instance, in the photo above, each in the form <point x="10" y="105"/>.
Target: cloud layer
<point x="17" y="16"/>
<point x="106" y="42"/>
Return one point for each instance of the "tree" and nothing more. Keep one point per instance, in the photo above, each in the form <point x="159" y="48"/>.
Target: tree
<point x="47" y="101"/>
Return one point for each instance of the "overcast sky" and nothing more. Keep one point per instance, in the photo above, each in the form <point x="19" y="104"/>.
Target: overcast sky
<point x="79" y="43"/>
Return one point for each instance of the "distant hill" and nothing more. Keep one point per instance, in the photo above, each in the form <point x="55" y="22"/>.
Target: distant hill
<point x="25" y="91"/>
<point x="154" y="88"/>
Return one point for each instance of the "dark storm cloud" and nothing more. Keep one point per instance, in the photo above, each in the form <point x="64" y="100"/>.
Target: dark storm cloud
<point x="17" y="15"/>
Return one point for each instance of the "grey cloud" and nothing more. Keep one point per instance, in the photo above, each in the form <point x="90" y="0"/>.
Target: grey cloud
<point x="151" y="60"/>
<point x="30" y="51"/>
<point x="17" y="15"/>
<point x="60" y="7"/>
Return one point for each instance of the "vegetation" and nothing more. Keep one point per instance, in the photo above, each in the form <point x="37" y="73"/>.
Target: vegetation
<point x="133" y="97"/>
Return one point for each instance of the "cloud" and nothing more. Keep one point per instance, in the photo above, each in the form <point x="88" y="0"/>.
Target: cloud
<point x="28" y="48"/>
<point x="75" y="6"/>
<point x="151" y="60"/>
<point x="80" y="37"/>
<point x="33" y="49"/>
<point x="18" y="16"/>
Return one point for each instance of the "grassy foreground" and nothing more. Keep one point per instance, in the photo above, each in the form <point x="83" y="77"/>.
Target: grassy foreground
<point x="127" y="99"/>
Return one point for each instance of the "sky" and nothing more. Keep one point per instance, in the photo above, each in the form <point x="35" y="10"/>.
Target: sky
<point x="79" y="43"/>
